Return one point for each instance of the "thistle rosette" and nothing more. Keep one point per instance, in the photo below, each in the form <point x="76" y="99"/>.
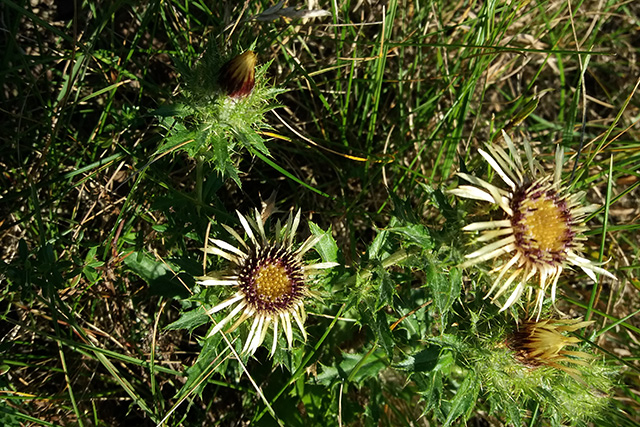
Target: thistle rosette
<point x="541" y="227"/>
<point x="270" y="278"/>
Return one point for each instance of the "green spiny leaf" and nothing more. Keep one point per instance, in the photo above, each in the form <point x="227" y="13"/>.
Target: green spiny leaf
<point x="327" y="246"/>
<point x="464" y="400"/>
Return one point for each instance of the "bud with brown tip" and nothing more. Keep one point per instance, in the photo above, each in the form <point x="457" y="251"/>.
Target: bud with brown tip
<point x="237" y="76"/>
<point x="542" y="343"/>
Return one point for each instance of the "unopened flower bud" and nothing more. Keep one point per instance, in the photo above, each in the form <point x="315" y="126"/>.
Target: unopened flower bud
<point x="237" y="76"/>
<point x="543" y="342"/>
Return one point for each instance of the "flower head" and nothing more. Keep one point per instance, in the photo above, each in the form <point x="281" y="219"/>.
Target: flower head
<point x="542" y="343"/>
<point x="541" y="225"/>
<point x="237" y="76"/>
<point x="270" y="278"/>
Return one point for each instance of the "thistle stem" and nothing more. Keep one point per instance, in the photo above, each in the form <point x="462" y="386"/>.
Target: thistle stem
<point x="199" y="182"/>
<point x="393" y="259"/>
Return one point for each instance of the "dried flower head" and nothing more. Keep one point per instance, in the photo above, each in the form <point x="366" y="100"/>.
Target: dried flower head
<point x="270" y="278"/>
<point x="541" y="227"/>
<point x="237" y="76"/>
<point x="542" y="343"/>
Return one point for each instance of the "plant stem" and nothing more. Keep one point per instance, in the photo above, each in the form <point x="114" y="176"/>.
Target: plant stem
<point x="393" y="259"/>
<point x="199" y="182"/>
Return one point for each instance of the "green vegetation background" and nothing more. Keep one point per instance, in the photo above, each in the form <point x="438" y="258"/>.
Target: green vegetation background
<point x="384" y="101"/>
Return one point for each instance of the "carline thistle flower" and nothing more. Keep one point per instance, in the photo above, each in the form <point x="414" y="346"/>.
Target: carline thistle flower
<point x="237" y="76"/>
<point x="542" y="343"/>
<point x="270" y="278"/>
<point x="541" y="227"/>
